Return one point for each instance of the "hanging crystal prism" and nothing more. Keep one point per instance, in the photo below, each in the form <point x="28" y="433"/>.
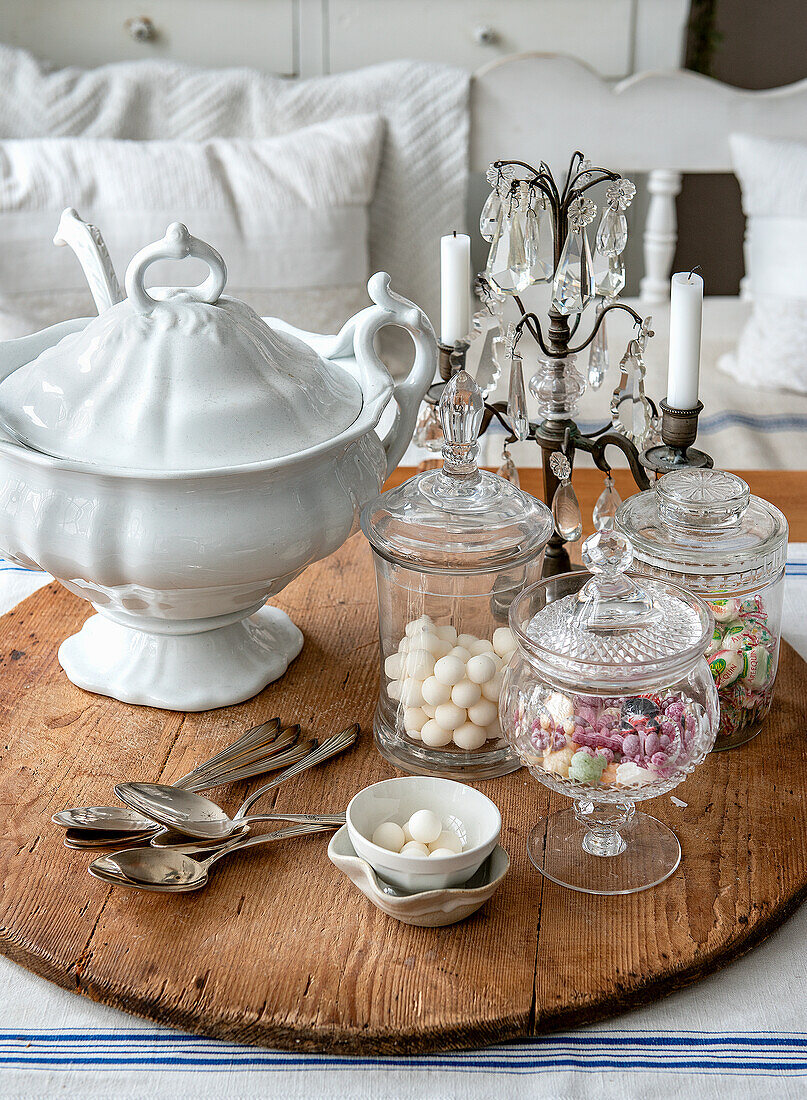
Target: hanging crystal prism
<point x="609" y="275"/>
<point x="517" y="399"/>
<point x="507" y="265"/>
<point x="489" y="217"/>
<point x="481" y="361"/>
<point x="539" y="243"/>
<point x="573" y="287"/>
<point x="428" y="432"/>
<point x="606" y="507"/>
<point x="508" y="469"/>
<point x="631" y="412"/>
<point x="612" y="234"/>
<point x="565" y="506"/>
<point x="598" y="355"/>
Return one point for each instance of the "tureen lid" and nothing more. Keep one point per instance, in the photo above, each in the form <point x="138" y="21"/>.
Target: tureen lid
<point x="618" y="629"/>
<point x="178" y="379"/>
<point x="705" y="528"/>
<point x="458" y="519"/>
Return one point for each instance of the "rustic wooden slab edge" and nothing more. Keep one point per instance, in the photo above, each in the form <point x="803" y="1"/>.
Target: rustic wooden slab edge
<point x="52" y="755"/>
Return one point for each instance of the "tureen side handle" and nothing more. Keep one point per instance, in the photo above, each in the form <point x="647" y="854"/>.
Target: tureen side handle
<point x="392" y="309"/>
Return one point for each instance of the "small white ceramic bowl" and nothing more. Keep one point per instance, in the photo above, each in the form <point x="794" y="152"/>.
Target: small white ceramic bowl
<point x="461" y="808"/>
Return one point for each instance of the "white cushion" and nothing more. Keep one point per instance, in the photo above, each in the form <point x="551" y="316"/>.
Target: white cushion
<point x="772" y="348"/>
<point x="289" y="215"/>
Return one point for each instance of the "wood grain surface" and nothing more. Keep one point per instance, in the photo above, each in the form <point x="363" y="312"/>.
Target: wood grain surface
<point x="280" y="949"/>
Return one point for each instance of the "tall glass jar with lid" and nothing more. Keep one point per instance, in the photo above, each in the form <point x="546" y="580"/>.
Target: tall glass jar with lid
<point x="452" y="547"/>
<point x="704" y="530"/>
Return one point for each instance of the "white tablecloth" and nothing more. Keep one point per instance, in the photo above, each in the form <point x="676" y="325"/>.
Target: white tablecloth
<point x="741" y="1033"/>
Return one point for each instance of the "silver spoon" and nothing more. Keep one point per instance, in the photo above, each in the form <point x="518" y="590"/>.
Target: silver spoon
<point x="174" y="870"/>
<point x="242" y="759"/>
<point x="172" y="838"/>
<point x="192" y="815"/>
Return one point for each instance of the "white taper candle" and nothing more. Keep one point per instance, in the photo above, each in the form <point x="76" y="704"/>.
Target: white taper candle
<point x="686" y="312"/>
<point x="455" y="287"/>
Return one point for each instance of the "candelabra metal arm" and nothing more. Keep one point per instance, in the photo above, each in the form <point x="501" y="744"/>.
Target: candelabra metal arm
<point x="541" y="177"/>
<point x="604" y="175"/>
<point x="599" y="321"/>
<point x="596" y="448"/>
<point x="497" y="410"/>
<point x="571" y="174"/>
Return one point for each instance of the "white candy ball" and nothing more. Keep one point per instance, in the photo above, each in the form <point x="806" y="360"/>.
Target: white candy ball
<point x="470" y="736"/>
<point x="494" y="731"/>
<point x="435" y="736"/>
<point x="440" y="852"/>
<point x="417" y="626"/>
<point x="412" y="693"/>
<point x="480" y="669"/>
<point x="414" y="734"/>
<point x="414" y="719"/>
<point x="435" y="692"/>
<point x="427" y="710"/>
<point x="461" y="653"/>
<point x="481" y="645"/>
<point x="447" y="633"/>
<point x="436" y="646"/>
<point x="425" y="826"/>
<point x="414" y="849"/>
<point x="467" y="640"/>
<point x="403" y="645"/>
<point x="406" y="833"/>
<point x="447" y="840"/>
<point x="492" y="688"/>
<point x="394" y="690"/>
<point x="503" y="640"/>
<point x="449" y="715"/>
<point x="442" y="649"/>
<point x="393" y="666"/>
<point x="482" y="713"/>
<point x="465" y="694"/>
<point x="450" y="670"/>
<point x="419" y="664"/>
<point x="390" y="836"/>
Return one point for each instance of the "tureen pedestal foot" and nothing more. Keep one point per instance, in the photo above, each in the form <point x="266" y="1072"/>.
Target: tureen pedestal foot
<point x="179" y="665"/>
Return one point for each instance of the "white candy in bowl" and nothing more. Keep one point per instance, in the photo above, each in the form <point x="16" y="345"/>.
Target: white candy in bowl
<point x="180" y="460"/>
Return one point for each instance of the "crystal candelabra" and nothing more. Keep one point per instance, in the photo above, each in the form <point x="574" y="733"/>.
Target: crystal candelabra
<point x="537" y="234"/>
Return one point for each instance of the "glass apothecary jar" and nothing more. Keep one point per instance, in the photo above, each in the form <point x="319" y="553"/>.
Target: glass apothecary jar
<point x="452" y="547"/>
<point x="608" y="699"/>
<point x="704" y="530"/>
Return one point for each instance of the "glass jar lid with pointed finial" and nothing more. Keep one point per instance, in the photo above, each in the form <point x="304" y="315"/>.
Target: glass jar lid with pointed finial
<point x="452" y="547"/>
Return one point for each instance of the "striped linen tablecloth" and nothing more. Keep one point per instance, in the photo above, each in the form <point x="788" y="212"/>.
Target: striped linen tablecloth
<point x="742" y="1033"/>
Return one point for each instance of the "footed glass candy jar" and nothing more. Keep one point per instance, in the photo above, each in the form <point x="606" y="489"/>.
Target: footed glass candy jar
<point x="704" y="530"/>
<point x="608" y="699"/>
<point x="452" y="547"/>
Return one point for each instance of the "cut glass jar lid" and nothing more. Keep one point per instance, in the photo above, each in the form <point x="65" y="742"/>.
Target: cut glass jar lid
<point x="178" y="379"/>
<point x="459" y="518"/>
<point x="705" y="527"/>
<point x="618" y="631"/>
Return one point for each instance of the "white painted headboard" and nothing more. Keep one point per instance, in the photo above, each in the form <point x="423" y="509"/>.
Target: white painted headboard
<point x="543" y="106"/>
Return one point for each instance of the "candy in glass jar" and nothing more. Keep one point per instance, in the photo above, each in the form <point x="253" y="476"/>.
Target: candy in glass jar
<point x="704" y="530"/>
<point x="451" y="548"/>
<point x="608" y="699"/>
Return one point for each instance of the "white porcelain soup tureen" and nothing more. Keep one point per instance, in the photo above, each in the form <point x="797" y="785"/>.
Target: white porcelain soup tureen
<point x="177" y="460"/>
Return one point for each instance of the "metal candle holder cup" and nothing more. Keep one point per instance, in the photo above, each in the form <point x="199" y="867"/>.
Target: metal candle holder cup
<point x="679" y="429"/>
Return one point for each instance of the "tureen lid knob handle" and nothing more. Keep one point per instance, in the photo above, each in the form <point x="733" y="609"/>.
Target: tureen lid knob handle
<point x="175" y="245"/>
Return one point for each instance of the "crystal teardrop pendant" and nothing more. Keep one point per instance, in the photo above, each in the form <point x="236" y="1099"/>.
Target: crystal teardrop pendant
<point x="489" y="217"/>
<point x="508" y="469"/>
<point x="631" y="412"/>
<point x="612" y="234"/>
<point x="573" y="287"/>
<point x="566" y="513"/>
<point x="609" y="275"/>
<point x="606" y="507"/>
<point x="539" y="245"/>
<point x="517" y="399"/>
<point x="598" y="356"/>
<point x="428" y="432"/>
<point x="506" y="268"/>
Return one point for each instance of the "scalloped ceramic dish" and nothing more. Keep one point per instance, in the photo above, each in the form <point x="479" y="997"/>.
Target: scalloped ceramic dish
<point x="429" y="908"/>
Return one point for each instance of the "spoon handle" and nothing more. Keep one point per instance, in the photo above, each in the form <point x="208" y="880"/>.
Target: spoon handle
<point x="307" y="819"/>
<point x="253" y="764"/>
<point x="265" y="734"/>
<point x="266" y="838"/>
<point x="331" y="746"/>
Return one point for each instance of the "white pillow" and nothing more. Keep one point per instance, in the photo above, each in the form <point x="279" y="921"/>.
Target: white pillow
<point x="289" y="215"/>
<point x="772" y="349"/>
